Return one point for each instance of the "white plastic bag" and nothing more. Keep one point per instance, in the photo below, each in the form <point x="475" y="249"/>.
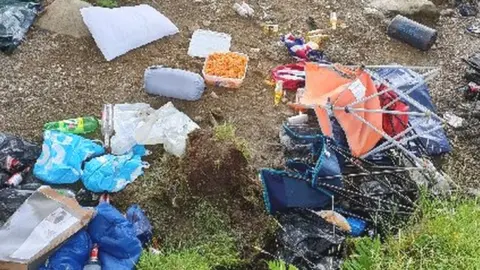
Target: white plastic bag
<point x="119" y="30"/>
<point x="126" y="118"/>
<point x="167" y="126"/>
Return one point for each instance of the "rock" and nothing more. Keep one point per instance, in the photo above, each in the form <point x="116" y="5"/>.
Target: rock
<point x="423" y="11"/>
<point x="214" y="95"/>
<point x="447" y="12"/>
<point x="206" y="23"/>
<point x="374" y="13"/>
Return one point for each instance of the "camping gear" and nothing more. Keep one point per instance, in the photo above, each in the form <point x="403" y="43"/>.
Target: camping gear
<point x="339" y="87"/>
<point x="72" y="255"/>
<point x="16" y="17"/>
<point x="111" y="173"/>
<point x="302" y="51"/>
<point x="81" y="125"/>
<point x="206" y="42"/>
<point x="292" y="76"/>
<point x="62" y="157"/>
<point x="411" y="32"/>
<point x="119" y="248"/>
<point x="181" y="84"/>
<point x="28" y="238"/>
<point x="117" y="31"/>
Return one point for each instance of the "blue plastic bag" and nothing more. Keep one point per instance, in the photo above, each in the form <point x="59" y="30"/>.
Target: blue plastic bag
<point x="72" y="255"/>
<point x="119" y="247"/>
<point x="62" y="157"/>
<point x="111" y="173"/>
<point x="140" y="222"/>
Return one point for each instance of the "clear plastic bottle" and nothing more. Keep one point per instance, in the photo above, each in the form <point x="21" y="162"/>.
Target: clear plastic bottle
<point x="333" y="20"/>
<point x="107" y="124"/>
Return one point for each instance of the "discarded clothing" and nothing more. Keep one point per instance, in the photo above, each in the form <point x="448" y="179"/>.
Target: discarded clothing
<point x="302" y="51"/>
<point x="119" y="247"/>
<point x="120" y="30"/>
<point x="141" y="224"/>
<point x="432" y="138"/>
<point x="292" y="76"/>
<point x="16" y="17"/>
<point x="181" y="84"/>
<point x="62" y="157"/>
<point x="167" y="126"/>
<point x="72" y="255"/>
<point x="16" y="154"/>
<point x="111" y="173"/>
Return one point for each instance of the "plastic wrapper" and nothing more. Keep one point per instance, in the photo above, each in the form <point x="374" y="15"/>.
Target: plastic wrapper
<point x="41" y="224"/>
<point x="62" y="157"/>
<point x="141" y="224"/>
<point x="167" y="126"/>
<point x="119" y="247"/>
<point x="16" y="17"/>
<point x="181" y="84"/>
<point x="111" y="173"/>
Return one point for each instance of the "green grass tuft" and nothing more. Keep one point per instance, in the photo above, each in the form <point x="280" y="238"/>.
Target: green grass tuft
<point x="209" y="244"/>
<point x="227" y="132"/>
<point x="440" y="236"/>
<point x="280" y="265"/>
<point x="107" y="3"/>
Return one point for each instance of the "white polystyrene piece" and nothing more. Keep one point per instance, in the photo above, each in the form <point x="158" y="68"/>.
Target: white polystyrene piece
<point x="119" y="30"/>
<point x="205" y="42"/>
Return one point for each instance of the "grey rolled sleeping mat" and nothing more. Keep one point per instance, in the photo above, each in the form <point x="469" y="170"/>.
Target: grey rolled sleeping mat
<point x="174" y="83"/>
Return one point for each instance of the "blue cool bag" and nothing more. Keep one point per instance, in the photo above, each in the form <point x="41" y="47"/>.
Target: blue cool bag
<point x="140" y="222"/>
<point x="62" y="157"/>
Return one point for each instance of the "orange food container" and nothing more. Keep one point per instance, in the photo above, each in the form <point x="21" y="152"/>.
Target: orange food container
<point x="224" y="81"/>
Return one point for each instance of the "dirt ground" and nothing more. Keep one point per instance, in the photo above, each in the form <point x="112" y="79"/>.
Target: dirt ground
<point x="52" y="77"/>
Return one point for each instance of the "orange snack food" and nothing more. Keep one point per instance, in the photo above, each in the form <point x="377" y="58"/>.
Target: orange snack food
<point x="226" y="65"/>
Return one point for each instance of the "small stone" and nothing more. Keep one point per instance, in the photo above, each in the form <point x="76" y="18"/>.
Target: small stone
<point x="206" y="23"/>
<point x="447" y="12"/>
<point x="255" y="50"/>
<point x="214" y="95"/>
<point x="198" y="119"/>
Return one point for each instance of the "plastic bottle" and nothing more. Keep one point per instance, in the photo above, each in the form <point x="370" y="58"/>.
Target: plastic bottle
<point x="333" y="20"/>
<point x="93" y="263"/>
<point x="278" y="92"/>
<point x="107" y="124"/>
<point x="81" y="125"/>
<point x="411" y="32"/>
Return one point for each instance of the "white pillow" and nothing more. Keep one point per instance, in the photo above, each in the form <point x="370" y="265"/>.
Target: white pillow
<point x="119" y="30"/>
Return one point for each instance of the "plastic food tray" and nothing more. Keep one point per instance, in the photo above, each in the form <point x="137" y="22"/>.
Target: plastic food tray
<point x="224" y="82"/>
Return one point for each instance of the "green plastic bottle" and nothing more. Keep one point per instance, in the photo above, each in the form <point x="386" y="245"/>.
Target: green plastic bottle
<point x="81" y="125"/>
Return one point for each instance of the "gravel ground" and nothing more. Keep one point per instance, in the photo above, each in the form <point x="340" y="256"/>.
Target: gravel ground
<point x="52" y="77"/>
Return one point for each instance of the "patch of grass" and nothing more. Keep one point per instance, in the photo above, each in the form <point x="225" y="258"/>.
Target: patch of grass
<point x="107" y="3"/>
<point x="226" y="132"/>
<point x="440" y="236"/>
<point x="206" y="243"/>
<point x="280" y="265"/>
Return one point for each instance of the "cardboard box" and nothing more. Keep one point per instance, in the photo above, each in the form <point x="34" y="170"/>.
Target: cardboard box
<point x="43" y="222"/>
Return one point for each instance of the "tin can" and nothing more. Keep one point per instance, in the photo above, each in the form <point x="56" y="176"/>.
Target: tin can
<point x="270" y="29"/>
<point x="411" y="32"/>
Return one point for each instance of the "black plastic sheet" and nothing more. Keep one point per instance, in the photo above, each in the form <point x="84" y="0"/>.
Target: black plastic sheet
<point x="10" y="200"/>
<point x="16" y="17"/>
<point x="309" y="242"/>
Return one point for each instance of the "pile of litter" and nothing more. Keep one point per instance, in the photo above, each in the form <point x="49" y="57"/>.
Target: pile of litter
<point x="63" y="17"/>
